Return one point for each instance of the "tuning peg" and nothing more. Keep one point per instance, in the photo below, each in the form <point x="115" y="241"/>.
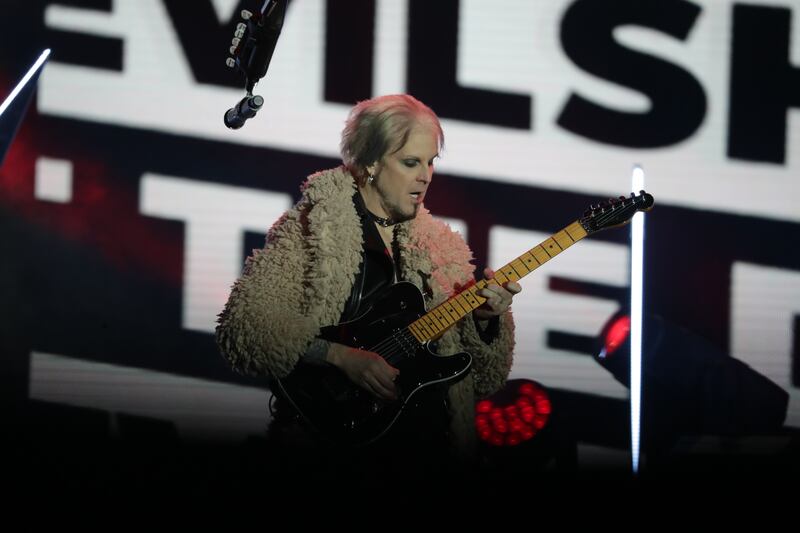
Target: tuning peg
<point x="239" y="33"/>
<point x="232" y="50"/>
<point x="235" y="41"/>
<point x="230" y="62"/>
<point x="246" y="14"/>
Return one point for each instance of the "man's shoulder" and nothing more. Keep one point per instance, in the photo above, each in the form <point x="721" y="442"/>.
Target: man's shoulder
<point x="430" y="226"/>
<point x="435" y="248"/>
<point x="333" y="183"/>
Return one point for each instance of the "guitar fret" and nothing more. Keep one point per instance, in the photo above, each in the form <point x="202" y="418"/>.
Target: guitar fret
<point x="550" y="249"/>
<point x="451" y="310"/>
<point x="432" y="322"/>
<point x="561" y="240"/>
<point x="528" y="259"/>
<point x="520" y="268"/>
<point x="442" y="318"/>
<point x="540" y="254"/>
<point x="417" y="331"/>
<point x="431" y="325"/>
<point x="575" y="231"/>
<point x="472" y="299"/>
<point x="423" y="329"/>
<point x="510" y="273"/>
<point x="437" y="321"/>
<point x="457" y="305"/>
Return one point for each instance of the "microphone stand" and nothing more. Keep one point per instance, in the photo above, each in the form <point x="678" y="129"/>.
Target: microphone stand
<point x="259" y="33"/>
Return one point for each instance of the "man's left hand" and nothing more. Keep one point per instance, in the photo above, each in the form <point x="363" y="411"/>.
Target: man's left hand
<point x="498" y="297"/>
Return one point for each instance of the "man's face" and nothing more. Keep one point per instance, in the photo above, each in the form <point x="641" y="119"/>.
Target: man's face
<point x="403" y="177"/>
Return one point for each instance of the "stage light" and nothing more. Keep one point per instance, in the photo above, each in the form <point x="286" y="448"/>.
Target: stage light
<point x="637" y="309"/>
<point x="615" y="336"/>
<point x="7" y="102"/>
<point x="11" y="116"/>
<point x="513" y="415"/>
<point x="689" y="386"/>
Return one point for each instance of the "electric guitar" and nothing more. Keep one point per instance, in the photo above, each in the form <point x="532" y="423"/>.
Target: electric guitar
<point x="400" y="330"/>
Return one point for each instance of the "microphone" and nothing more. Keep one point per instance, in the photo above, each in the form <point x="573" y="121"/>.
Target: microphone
<point x="258" y="38"/>
<point x="247" y="107"/>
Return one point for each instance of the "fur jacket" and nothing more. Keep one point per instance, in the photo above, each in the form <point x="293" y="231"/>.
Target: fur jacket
<point x="302" y="278"/>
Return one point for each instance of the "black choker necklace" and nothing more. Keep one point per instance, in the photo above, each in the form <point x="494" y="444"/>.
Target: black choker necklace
<point x="385" y="222"/>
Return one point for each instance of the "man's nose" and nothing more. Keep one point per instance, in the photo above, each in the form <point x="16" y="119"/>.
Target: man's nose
<point x="426" y="175"/>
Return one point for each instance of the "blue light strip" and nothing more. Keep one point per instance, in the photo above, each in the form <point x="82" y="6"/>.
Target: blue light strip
<point x="637" y="276"/>
<point x="24" y="80"/>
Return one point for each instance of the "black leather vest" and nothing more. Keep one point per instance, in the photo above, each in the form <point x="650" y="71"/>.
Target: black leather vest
<point x="376" y="271"/>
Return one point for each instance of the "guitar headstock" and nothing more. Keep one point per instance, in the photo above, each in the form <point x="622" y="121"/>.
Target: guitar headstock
<point x="615" y="212"/>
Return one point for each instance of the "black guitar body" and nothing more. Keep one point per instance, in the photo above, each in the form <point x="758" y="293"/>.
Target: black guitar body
<point x="344" y="412"/>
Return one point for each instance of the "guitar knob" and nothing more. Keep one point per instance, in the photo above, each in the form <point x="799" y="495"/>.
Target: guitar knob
<point x="235" y="41"/>
<point x="239" y="33"/>
<point x="230" y="62"/>
<point x="233" y="50"/>
<point x="246" y="14"/>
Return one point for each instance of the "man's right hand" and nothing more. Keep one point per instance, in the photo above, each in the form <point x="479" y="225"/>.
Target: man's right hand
<point x="366" y="369"/>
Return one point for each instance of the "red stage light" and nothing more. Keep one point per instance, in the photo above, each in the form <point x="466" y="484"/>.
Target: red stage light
<point x="503" y="422"/>
<point x="617" y="334"/>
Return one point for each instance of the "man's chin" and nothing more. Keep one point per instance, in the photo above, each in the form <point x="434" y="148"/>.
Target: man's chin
<point x="409" y="215"/>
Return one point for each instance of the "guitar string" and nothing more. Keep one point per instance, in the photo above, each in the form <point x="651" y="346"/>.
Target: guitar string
<point x="392" y="346"/>
<point x="611" y="214"/>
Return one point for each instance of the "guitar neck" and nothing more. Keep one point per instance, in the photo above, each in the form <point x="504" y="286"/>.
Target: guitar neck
<point x="436" y="321"/>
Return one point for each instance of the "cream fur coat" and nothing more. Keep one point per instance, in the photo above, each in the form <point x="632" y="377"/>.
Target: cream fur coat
<point x="302" y="278"/>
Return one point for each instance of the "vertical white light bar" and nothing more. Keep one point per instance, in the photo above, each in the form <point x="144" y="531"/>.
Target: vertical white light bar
<point x="637" y="275"/>
<point x="24" y="80"/>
